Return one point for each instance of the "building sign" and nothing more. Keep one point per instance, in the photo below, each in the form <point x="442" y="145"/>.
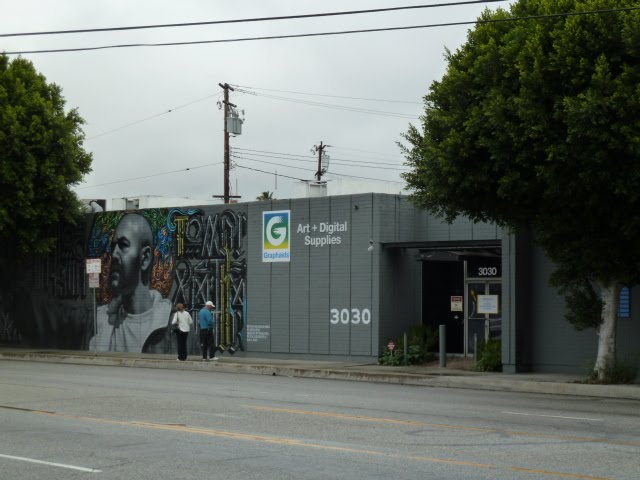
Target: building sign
<point x="94" y="265"/>
<point x="456" y="303"/>
<point x="323" y="233"/>
<point x="488" y="304"/>
<point x="256" y="333"/>
<point x="276" y="236"/>
<point x="484" y="268"/>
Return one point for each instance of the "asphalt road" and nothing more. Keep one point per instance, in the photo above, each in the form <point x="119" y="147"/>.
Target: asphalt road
<point x="72" y="421"/>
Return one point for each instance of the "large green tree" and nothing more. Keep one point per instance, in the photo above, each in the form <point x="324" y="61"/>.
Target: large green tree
<point x="536" y="125"/>
<point x="41" y="156"/>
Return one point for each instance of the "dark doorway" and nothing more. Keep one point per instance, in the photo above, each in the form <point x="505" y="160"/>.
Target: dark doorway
<point x="440" y="281"/>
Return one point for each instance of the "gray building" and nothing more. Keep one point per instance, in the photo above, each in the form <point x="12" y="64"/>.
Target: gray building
<point x="331" y="277"/>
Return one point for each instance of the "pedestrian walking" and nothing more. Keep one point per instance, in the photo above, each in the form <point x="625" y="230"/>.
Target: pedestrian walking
<point x="182" y="323"/>
<point x="207" y="324"/>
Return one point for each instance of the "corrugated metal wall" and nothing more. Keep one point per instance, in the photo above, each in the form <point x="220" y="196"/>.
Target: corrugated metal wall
<point x="296" y="301"/>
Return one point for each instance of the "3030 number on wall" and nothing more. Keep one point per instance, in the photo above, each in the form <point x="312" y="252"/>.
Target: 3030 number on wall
<point x="354" y="316"/>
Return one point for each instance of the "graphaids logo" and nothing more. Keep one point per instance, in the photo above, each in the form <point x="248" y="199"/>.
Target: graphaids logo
<point x="276" y="236"/>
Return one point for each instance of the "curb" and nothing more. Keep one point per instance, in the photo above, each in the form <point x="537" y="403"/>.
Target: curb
<point x="486" y="383"/>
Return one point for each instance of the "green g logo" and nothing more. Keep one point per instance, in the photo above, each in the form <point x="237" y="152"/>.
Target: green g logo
<point x="276" y="232"/>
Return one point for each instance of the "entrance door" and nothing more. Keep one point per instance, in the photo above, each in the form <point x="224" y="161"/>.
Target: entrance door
<point x="440" y="281"/>
<point x="483" y="319"/>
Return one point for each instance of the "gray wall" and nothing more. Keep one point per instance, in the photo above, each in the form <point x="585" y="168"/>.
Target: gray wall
<point x="400" y="274"/>
<point x="628" y="333"/>
<point x="516" y="303"/>
<point x="556" y="345"/>
<point x="291" y="304"/>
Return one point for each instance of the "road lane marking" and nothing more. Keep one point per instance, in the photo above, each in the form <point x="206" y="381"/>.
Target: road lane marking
<point x="301" y="443"/>
<point x="554" y="416"/>
<point x="444" y="425"/>
<point x="51" y="464"/>
<point x="210" y="414"/>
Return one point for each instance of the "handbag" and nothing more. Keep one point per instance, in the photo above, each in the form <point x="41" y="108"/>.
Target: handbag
<point x="175" y="327"/>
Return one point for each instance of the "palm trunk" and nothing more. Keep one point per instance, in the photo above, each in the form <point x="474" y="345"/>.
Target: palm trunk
<point x="607" y="330"/>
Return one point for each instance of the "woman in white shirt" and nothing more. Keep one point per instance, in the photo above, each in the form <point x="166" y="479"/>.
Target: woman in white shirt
<point x="183" y="322"/>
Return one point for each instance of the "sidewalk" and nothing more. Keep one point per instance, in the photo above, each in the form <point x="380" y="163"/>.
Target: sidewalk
<point x="546" y="383"/>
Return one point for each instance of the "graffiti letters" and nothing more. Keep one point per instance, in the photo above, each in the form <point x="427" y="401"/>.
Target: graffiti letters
<point x="212" y="266"/>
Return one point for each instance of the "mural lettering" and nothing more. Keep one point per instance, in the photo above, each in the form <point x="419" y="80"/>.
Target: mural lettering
<point x="212" y="266"/>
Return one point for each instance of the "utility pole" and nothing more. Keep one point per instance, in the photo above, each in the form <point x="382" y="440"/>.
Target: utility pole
<point x="320" y="150"/>
<point x="227" y="163"/>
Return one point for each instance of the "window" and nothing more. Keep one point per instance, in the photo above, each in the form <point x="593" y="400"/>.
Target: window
<point x="624" y="307"/>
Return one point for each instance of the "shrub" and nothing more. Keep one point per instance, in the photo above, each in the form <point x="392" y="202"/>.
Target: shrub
<point x="422" y="341"/>
<point x="393" y="358"/>
<point x="618" y="372"/>
<point x="415" y="355"/>
<point x="424" y="335"/>
<point x="490" y="356"/>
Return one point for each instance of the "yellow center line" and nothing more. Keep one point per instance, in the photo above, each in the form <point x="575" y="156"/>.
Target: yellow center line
<point x="299" y="443"/>
<point x="414" y="423"/>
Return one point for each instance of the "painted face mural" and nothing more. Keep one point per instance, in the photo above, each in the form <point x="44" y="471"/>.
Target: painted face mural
<point x="130" y="252"/>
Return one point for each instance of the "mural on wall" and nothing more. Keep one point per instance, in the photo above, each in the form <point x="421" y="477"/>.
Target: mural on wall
<point x="134" y="281"/>
<point x="154" y="259"/>
<point x="150" y="261"/>
<point x="212" y="266"/>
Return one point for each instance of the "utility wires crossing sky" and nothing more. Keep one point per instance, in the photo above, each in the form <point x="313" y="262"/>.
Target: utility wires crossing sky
<point x="249" y="20"/>
<point x="334" y="33"/>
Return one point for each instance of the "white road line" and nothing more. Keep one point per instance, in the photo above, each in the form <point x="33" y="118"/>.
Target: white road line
<point x="51" y="464"/>
<point x="554" y="416"/>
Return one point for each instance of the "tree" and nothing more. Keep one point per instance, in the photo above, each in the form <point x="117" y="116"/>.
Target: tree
<point x="41" y="155"/>
<point x="265" y="196"/>
<point x="536" y="125"/>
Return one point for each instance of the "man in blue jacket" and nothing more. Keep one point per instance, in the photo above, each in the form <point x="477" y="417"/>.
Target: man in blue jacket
<point x="207" y="324"/>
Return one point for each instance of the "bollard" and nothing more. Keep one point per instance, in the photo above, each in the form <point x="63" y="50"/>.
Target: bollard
<point x="406" y="349"/>
<point x="475" y="348"/>
<point x="443" y="346"/>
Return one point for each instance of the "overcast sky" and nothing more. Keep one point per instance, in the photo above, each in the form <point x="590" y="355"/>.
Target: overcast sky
<point x="114" y="88"/>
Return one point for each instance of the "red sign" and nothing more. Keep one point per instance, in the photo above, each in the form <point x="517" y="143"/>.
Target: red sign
<point x="392" y="345"/>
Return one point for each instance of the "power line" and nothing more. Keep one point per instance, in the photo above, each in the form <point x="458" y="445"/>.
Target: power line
<point x="364" y="178"/>
<point x="303" y="180"/>
<point x="173" y="109"/>
<point x="307" y="170"/>
<point x="271" y="173"/>
<point x="149" y="176"/>
<point x="324" y="34"/>
<point x="364" y="151"/>
<point x="302" y="158"/>
<point x="325" y="95"/>
<point x="247" y="20"/>
<point x="275" y="153"/>
<point x="271" y="163"/>
<point x="337" y="107"/>
<point x="153" y="116"/>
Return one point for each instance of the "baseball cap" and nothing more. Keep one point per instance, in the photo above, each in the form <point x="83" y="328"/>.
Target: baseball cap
<point x="209" y="303"/>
